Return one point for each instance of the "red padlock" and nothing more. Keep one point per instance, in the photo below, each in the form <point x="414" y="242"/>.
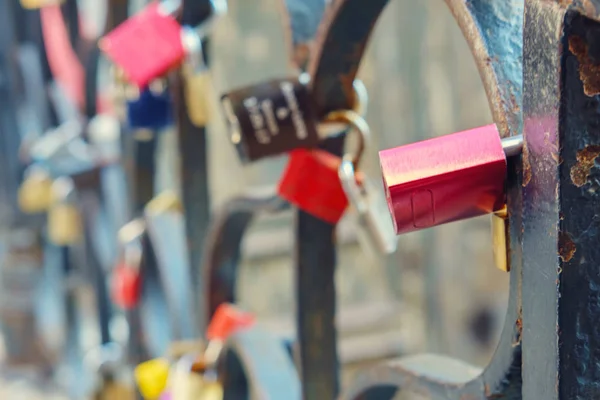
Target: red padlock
<point x="448" y="178"/>
<point x="226" y="321"/>
<point x="147" y="45"/>
<point x="311" y="179"/>
<point x="126" y="286"/>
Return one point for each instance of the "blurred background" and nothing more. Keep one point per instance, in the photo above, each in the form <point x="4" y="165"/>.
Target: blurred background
<point x="440" y="292"/>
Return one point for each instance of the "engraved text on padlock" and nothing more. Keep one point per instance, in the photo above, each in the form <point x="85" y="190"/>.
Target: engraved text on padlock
<point x="271" y="118"/>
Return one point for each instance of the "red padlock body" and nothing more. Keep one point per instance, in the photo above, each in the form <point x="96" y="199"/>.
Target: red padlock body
<point x="126" y="286"/>
<point x="146" y="46"/>
<point x="311" y="183"/>
<point x="444" y="179"/>
<point x="226" y="321"/>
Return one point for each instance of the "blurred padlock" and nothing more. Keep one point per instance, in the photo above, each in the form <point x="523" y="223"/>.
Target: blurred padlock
<point x="192" y="379"/>
<point x="126" y="286"/>
<point x="198" y="85"/>
<point x="126" y="278"/>
<point x="152" y="108"/>
<point x="147" y="45"/>
<point x="115" y="391"/>
<point x="36" y="4"/>
<point x="185" y="383"/>
<point x="152" y="42"/>
<point x="64" y="219"/>
<point x="35" y="193"/>
<point x="311" y="179"/>
<point x="448" y="178"/>
<point x="151" y="378"/>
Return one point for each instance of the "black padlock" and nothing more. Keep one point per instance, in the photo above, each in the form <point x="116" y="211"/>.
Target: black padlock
<point x="271" y="118"/>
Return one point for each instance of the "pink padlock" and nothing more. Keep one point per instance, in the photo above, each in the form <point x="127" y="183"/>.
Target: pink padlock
<point x="448" y="178"/>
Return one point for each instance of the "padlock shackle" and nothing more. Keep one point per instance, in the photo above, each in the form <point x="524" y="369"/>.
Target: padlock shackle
<point x="358" y="124"/>
<point x="512" y="145"/>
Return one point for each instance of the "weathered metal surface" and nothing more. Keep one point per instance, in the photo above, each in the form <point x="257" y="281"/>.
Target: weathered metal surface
<point x="315" y="249"/>
<point x="560" y="200"/>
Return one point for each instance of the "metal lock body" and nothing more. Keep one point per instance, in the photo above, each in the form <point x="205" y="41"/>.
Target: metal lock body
<point x="36" y="4"/>
<point x="35" y="193"/>
<point x="190" y="381"/>
<point x="198" y="87"/>
<point x="152" y="377"/>
<point x="311" y="183"/>
<point x="198" y="91"/>
<point x="147" y="45"/>
<point x="311" y="180"/>
<point x="65" y="225"/>
<point x="271" y="118"/>
<point x="445" y="179"/>
<point x="126" y="288"/>
<point x="151" y="109"/>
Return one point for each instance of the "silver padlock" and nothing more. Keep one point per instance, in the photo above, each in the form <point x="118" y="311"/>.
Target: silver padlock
<point x="374" y="223"/>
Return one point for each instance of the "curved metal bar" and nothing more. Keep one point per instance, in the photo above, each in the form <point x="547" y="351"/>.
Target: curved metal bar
<point x="258" y="367"/>
<point x="166" y="232"/>
<point x="223" y="246"/>
<point x="493" y="30"/>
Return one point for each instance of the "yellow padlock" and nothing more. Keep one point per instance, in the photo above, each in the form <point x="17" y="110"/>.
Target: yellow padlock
<point x="64" y="224"/>
<point x="151" y="378"/>
<point x="212" y="390"/>
<point x="194" y="386"/>
<point x="186" y="385"/>
<point x="115" y="391"/>
<point x="198" y="95"/>
<point x="36" y="4"/>
<point x="35" y="193"/>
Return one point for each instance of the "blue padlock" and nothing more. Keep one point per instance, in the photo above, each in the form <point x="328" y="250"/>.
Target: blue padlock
<point x="151" y="110"/>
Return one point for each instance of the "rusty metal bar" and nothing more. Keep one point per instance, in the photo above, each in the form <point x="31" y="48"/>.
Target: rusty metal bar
<point x="561" y="200"/>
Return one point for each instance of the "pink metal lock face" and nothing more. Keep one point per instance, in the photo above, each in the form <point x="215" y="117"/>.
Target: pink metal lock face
<point x="146" y="46"/>
<point x="311" y="183"/>
<point x="444" y="179"/>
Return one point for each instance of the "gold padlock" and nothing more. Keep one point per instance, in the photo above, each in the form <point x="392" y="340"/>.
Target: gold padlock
<point x="35" y="193"/>
<point x="198" y="91"/>
<point x="64" y="219"/>
<point x="188" y="384"/>
<point x="64" y="224"/>
<point x="212" y="390"/>
<point x="36" y="4"/>
<point x="499" y="239"/>
<point x="197" y="79"/>
<point x="115" y="391"/>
